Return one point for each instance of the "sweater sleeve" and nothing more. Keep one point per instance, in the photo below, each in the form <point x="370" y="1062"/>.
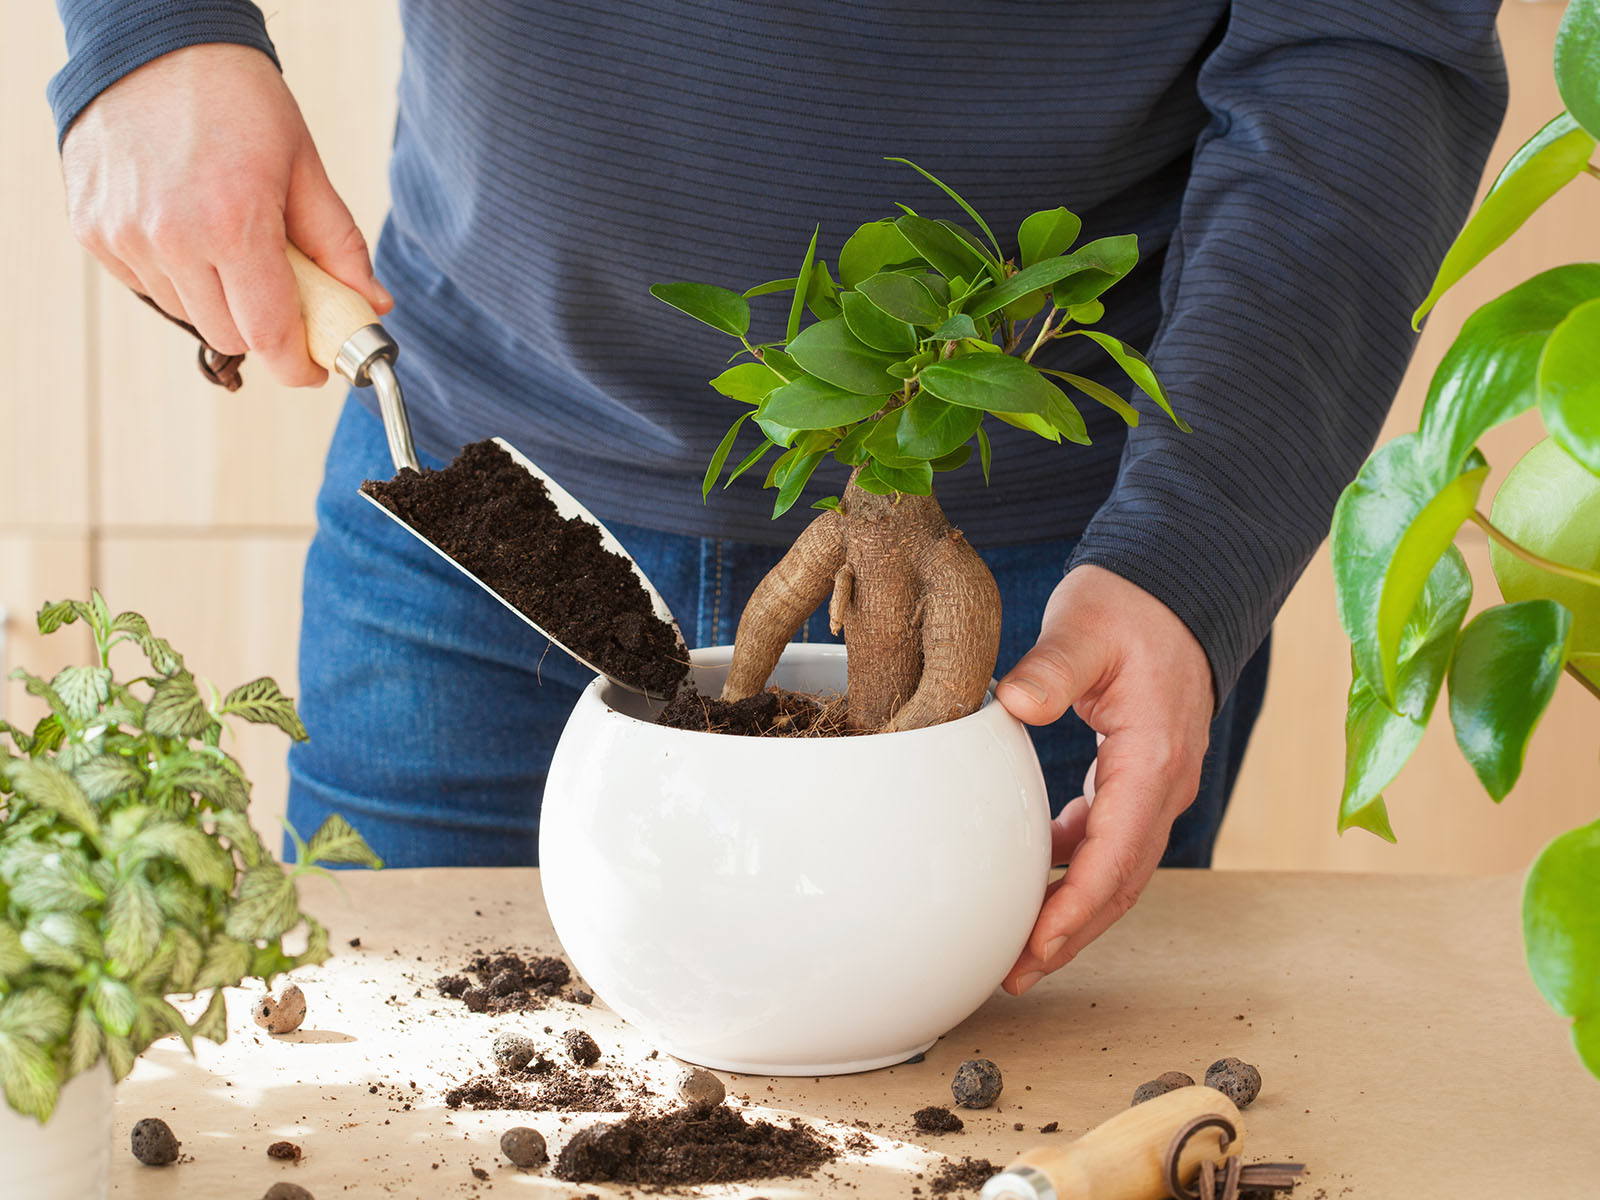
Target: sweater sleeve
<point x="1346" y="140"/>
<point x="106" y="39"/>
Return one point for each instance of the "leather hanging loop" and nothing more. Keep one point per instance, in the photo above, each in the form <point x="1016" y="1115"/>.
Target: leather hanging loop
<point x="221" y="369"/>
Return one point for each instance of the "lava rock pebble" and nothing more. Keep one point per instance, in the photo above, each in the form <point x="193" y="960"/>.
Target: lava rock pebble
<point x="153" y="1142"/>
<point x="287" y="1191"/>
<point x="285" y="1151"/>
<point x="582" y="1047"/>
<point x="977" y="1083"/>
<point x="1168" y="1081"/>
<point x="700" y="1090"/>
<point x="513" y="1051"/>
<point x="1237" y="1080"/>
<point x="524" y="1146"/>
<point x="282" y="1013"/>
<point x="936" y="1119"/>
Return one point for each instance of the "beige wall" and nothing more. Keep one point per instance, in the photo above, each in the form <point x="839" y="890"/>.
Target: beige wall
<point x="194" y="506"/>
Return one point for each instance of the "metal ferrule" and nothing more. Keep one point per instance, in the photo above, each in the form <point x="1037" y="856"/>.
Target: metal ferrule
<point x="361" y="349"/>
<point x="1019" y="1182"/>
<point x="367" y="358"/>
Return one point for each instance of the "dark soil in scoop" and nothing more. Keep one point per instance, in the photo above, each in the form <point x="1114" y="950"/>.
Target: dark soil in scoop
<point x="498" y="521"/>
<point x="683" y="1148"/>
<point x="506" y="982"/>
<point x="772" y="713"/>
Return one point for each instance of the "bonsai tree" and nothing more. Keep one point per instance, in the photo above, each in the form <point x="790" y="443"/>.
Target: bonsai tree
<point x="928" y="331"/>
<point x="129" y="871"/>
<point x="1403" y="589"/>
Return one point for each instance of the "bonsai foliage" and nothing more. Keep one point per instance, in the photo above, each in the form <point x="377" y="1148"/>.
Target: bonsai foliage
<point x="928" y="331"/>
<point x="129" y="871"/>
<point x="1403" y="590"/>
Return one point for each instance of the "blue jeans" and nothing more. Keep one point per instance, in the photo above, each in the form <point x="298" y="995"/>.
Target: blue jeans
<point x="433" y="711"/>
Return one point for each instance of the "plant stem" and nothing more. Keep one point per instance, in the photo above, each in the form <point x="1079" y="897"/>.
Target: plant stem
<point x="1544" y="564"/>
<point x="1045" y="333"/>
<point x="1592" y="169"/>
<point x="1588" y="684"/>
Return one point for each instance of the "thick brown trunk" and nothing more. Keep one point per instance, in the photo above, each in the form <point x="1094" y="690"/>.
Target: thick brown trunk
<point x="919" y="610"/>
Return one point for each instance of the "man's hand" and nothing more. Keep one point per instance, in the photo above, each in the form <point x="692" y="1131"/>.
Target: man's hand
<point x="1138" y="677"/>
<point x="185" y="178"/>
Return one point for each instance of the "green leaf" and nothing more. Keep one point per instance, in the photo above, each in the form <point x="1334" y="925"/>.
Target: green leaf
<point x="828" y="504"/>
<point x="1099" y="393"/>
<point x="1087" y="313"/>
<point x="902" y="297"/>
<point x="213" y="1023"/>
<point x="266" y="906"/>
<point x="29" y="1077"/>
<point x="874" y="326"/>
<point x="1136" y="368"/>
<point x="1061" y="413"/>
<point x="771" y="286"/>
<point x="120" y="1057"/>
<point x="83" y="690"/>
<point x="262" y="703"/>
<point x="724" y="448"/>
<point x="1578" y="63"/>
<point x="133" y="921"/>
<point x="748" y="383"/>
<point x="1046" y="234"/>
<point x="106" y="775"/>
<point x="822" y="295"/>
<point x="1561" y="931"/>
<point x="1506" y="668"/>
<point x="809" y="403"/>
<point x="985" y="453"/>
<point x="946" y="251"/>
<point x="802" y="285"/>
<point x="215" y="777"/>
<point x="115" y="1006"/>
<point x="750" y="460"/>
<point x="792" y="480"/>
<point x="723" y="310"/>
<point x="85" y="1044"/>
<point x="1378" y="741"/>
<point x="164" y="660"/>
<point x="1031" y="279"/>
<point x="13" y="958"/>
<point x="913" y="481"/>
<point x="1491" y="371"/>
<point x="930" y="428"/>
<point x="56" y="613"/>
<point x="949" y="191"/>
<point x="955" y="328"/>
<point x="850" y="448"/>
<point x="336" y="841"/>
<point x="206" y="862"/>
<point x="952" y="461"/>
<point x="1103" y="262"/>
<point x="1389" y="529"/>
<point x="832" y="353"/>
<point x="872" y="247"/>
<point x="1569" y="384"/>
<point x="996" y="383"/>
<point x="1033" y="423"/>
<point x="1546" y="163"/>
<point x="61" y="939"/>
<point x="226" y="963"/>
<point x="176" y="708"/>
<point x="36" y="1014"/>
<point x="45" y="784"/>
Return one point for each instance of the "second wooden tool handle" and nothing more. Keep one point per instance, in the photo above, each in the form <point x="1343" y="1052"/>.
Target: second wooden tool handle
<point x="1122" y="1159"/>
<point x="331" y="310"/>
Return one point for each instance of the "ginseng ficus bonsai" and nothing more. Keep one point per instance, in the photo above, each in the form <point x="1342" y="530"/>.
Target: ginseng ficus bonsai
<point x="928" y="331"/>
<point x="1403" y="589"/>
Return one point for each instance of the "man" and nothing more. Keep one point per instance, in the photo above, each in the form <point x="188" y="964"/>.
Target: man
<point x="1294" y="173"/>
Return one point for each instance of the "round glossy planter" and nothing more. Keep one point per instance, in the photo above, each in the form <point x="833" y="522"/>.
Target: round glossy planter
<point x="69" y="1156"/>
<point x="790" y="906"/>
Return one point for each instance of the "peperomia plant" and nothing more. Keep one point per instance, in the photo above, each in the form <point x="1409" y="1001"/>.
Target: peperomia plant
<point x="928" y="331"/>
<point x="1403" y="589"/>
<point x="129" y="871"/>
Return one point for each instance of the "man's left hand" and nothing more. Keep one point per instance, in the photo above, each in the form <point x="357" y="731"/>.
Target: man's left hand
<point x="1139" y="679"/>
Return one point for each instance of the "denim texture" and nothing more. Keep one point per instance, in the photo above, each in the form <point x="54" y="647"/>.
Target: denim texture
<point x="433" y="711"/>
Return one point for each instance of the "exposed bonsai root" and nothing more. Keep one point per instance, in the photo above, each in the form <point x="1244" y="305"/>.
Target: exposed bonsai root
<point x="919" y="610"/>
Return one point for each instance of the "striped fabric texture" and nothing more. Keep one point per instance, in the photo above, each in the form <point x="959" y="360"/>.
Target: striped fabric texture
<point x="1294" y="173"/>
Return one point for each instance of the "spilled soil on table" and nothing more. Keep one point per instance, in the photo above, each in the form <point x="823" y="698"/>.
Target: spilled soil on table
<point x="684" y="1148"/>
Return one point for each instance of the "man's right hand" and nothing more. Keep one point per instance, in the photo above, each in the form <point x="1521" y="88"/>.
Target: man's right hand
<point x="186" y="177"/>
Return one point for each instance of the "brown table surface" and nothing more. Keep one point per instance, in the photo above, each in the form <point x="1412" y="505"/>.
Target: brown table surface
<point x="1404" y="1050"/>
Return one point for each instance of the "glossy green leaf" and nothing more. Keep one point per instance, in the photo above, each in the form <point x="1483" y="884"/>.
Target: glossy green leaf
<point x="1046" y="234"/>
<point x="1569" y="385"/>
<point x="720" y="456"/>
<point x="828" y="504"/>
<point x="1378" y="740"/>
<point x="930" y="428"/>
<point x="750" y="460"/>
<point x="951" y="192"/>
<point x="748" y="383"/>
<point x="1506" y="668"/>
<point x="262" y="702"/>
<point x="1033" y="423"/>
<point x="902" y="297"/>
<point x="875" y="327"/>
<point x="913" y="481"/>
<point x="871" y="248"/>
<point x="955" y="328"/>
<point x="768" y="288"/>
<point x="1550" y="504"/>
<point x="1031" y="279"/>
<point x="1490" y="373"/>
<point x="850" y="449"/>
<point x="781" y="363"/>
<point x="985" y="453"/>
<point x="944" y="250"/>
<point x="47" y="785"/>
<point x="829" y="351"/>
<point x="1561" y="931"/>
<point x="1546" y="163"/>
<point x="1028" y="306"/>
<point x="723" y="310"/>
<point x="83" y="689"/>
<point x="949" y="462"/>
<point x="336" y="841"/>
<point x="809" y="403"/>
<point x="882" y="442"/>
<point x="1136" y="368"/>
<point x="176" y="709"/>
<point x="27" y="1076"/>
<point x="802" y="285"/>
<point x="996" y="383"/>
<point x="1389" y="529"/>
<point x="1061" y="413"/>
<point x="822" y="295"/>
<point x="776" y="432"/>
<point x="1099" y="393"/>
<point x="1087" y="313"/>
<point x="1577" y="63"/>
<point x="266" y="905"/>
<point x="792" y="480"/>
<point x="1103" y="262"/>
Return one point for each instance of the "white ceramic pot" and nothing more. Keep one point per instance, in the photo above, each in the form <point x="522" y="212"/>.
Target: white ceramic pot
<point x="791" y="906"/>
<point x="69" y="1156"/>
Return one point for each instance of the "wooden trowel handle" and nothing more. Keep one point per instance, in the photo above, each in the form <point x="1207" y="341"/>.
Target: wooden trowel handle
<point x="332" y="312"/>
<point x="1122" y="1159"/>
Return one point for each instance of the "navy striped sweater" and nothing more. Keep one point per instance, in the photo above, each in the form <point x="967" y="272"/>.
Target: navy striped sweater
<point x="1294" y="172"/>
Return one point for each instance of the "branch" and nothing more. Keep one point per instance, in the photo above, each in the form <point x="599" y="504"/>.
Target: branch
<point x="1588" y="684"/>
<point x="1544" y="564"/>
